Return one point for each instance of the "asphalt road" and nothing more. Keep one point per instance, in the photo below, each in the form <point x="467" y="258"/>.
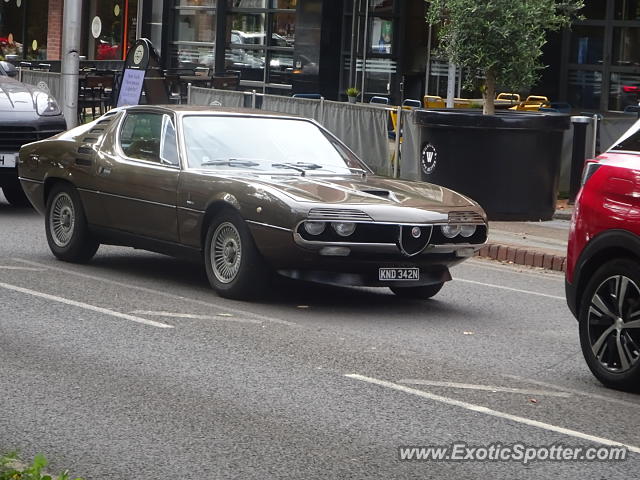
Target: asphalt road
<point x="132" y="368"/>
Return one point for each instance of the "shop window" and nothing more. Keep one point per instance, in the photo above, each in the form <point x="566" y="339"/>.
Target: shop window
<point x="381" y="35"/>
<point x="247" y="3"/>
<point x="283" y="29"/>
<point x="626" y="46"/>
<point x="11" y="27"/>
<point x="381" y="7"/>
<point x="195" y="33"/>
<point x="624" y="91"/>
<point x="36" y="41"/>
<point x="627" y="10"/>
<point x="284" y="4"/>
<point x="587" y="45"/>
<point x="585" y="89"/>
<point x="594" y="9"/>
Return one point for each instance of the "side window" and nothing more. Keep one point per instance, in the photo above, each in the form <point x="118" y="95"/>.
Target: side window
<point x="140" y="136"/>
<point x="168" y="145"/>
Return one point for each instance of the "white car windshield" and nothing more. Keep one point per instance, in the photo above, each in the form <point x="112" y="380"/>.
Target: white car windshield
<point x="263" y="144"/>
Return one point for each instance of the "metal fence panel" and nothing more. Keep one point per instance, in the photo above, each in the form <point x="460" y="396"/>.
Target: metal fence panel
<point x="47" y="81"/>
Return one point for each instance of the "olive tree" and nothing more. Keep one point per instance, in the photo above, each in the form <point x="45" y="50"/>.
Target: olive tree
<point x="500" y="41"/>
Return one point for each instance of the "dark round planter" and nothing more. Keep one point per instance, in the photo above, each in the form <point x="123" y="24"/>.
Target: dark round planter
<point x="509" y="162"/>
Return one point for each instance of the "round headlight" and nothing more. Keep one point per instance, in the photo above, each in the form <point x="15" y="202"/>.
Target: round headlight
<point x="450" y="231"/>
<point x="314" y="228"/>
<point x="344" y="229"/>
<point x="467" y="230"/>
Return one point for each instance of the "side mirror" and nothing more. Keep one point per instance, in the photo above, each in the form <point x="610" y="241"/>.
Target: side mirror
<point x="9" y="69"/>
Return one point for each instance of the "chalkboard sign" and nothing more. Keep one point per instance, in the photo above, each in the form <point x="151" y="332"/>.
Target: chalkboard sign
<point x="142" y="71"/>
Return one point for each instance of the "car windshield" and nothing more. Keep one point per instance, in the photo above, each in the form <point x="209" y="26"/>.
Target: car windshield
<point x="264" y="144"/>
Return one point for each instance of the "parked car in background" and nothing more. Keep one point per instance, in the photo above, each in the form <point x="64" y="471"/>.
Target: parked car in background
<point x="603" y="264"/>
<point x="27" y="114"/>
<point x="250" y="195"/>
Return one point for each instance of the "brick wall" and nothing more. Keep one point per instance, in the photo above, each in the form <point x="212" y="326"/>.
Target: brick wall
<point x="54" y="32"/>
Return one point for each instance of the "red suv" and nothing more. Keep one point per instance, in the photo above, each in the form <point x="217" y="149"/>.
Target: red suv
<point x="603" y="264"/>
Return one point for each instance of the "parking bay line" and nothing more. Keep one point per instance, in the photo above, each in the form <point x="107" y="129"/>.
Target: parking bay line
<point x="494" y="413"/>
<point x="159" y="293"/>
<point x="85" y="306"/>
<point x="502" y="287"/>
<point x="26" y="269"/>
<point x="194" y="317"/>
<point x="485" y="388"/>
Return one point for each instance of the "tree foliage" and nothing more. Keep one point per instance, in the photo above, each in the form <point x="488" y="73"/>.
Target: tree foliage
<point x="500" y="39"/>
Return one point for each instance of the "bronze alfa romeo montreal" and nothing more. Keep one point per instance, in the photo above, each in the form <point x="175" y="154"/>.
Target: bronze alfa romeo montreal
<point x="248" y="193"/>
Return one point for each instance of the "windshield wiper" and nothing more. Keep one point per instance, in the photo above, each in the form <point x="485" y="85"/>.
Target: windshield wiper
<point x="299" y="166"/>
<point x="230" y="162"/>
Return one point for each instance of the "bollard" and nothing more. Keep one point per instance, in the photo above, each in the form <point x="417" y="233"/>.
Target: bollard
<point x="579" y="153"/>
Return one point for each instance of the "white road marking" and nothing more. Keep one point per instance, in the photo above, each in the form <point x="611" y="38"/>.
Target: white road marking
<point x="573" y="391"/>
<point x="486" y="388"/>
<point x="27" y="269"/>
<point x="223" y="317"/>
<point x="85" y="306"/>
<point x="494" y="413"/>
<point x="501" y="287"/>
<point x="159" y="293"/>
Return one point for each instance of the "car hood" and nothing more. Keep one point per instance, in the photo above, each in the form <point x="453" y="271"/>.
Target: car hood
<point x="16" y="96"/>
<point x="369" y="190"/>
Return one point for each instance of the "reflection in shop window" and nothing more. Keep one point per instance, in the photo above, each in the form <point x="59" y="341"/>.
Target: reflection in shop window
<point x="585" y="89"/>
<point x="381" y="35"/>
<point x="381" y="6"/>
<point x="283" y="28"/>
<point x="627" y="10"/>
<point x="37" y="15"/>
<point x="11" y="25"/>
<point x="587" y="45"/>
<point x="284" y="4"/>
<point x="626" y="46"/>
<point x="247" y="3"/>
<point x="624" y="90"/>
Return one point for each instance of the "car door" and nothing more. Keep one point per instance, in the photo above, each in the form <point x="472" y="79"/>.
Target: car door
<point x="138" y="182"/>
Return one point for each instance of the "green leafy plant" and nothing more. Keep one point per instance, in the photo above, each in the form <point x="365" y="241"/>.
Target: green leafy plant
<point x="352" y="92"/>
<point x="11" y="469"/>
<point x="501" y="40"/>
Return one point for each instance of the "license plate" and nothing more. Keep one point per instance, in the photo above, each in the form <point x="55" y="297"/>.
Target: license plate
<point x="8" y="160"/>
<point x="399" y="274"/>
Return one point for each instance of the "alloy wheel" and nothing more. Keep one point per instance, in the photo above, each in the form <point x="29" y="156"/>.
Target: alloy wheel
<point x="614" y="324"/>
<point x="62" y="219"/>
<point x="226" y="252"/>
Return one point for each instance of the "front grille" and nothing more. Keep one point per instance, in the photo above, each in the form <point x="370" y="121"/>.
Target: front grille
<point x="13" y="137"/>
<point x="337" y="214"/>
<point x="465" y="217"/>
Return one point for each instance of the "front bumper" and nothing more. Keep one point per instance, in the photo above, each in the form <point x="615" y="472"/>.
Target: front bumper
<point x="360" y="267"/>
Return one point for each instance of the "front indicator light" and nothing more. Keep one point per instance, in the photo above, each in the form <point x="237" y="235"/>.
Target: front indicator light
<point x="467" y="230"/>
<point x="344" y="229"/>
<point x="314" y="228"/>
<point x="450" y="231"/>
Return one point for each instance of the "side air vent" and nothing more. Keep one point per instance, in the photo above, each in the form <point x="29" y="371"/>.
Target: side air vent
<point x="90" y="139"/>
<point x="337" y="214"/>
<point x="84" y="162"/>
<point x="465" y="217"/>
<point x="85" y="151"/>
<point x="105" y="121"/>
<point x="97" y="131"/>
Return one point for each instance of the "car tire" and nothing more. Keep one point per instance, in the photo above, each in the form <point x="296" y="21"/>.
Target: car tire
<point x="235" y="268"/>
<point x="418" y="293"/>
<point x="66" y="226"/>
<point x="15" y="195"/>
<point x="610" y="301"/>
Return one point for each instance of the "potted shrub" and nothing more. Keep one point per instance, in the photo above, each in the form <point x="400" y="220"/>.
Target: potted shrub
<point x="507" y="161"/>
<point x="352" y="94"/>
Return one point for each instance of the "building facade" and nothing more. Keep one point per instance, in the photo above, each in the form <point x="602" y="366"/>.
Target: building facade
<point x="382" y="47"/>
